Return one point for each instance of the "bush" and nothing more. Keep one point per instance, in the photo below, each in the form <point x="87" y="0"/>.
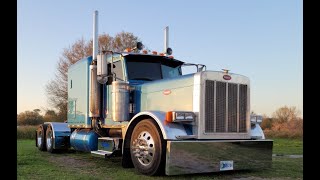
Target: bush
<point x="26" y="132"/>
<point x="290" y="129"/>
<point x="266" y="123"/>
<point x="29" y="118"/>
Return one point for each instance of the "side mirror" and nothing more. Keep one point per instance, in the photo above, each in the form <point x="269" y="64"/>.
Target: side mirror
<point x="201" y="67"/>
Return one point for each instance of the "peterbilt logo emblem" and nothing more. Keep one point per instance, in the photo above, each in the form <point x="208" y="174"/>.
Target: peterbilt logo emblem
<point x="226" y="77"/>
<point x="166" y="92"/>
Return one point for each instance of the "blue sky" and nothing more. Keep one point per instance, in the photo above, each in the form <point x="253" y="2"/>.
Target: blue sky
<point x="261" y="39"/>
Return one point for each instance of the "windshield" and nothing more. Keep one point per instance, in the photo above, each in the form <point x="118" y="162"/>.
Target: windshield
<point x="151" y="68"/>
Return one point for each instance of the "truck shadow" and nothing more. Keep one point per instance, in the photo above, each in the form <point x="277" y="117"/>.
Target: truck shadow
<point x="115" y="162"/>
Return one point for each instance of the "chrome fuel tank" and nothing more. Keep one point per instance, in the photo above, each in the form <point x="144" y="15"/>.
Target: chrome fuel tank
<point x="84" y="140"/>
<point x="120" y="101"/>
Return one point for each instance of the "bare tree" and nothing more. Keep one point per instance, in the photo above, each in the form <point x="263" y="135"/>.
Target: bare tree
<point x="57" y="88"/>
<point x="124" y="40"/>
<point x="285" y="114"/>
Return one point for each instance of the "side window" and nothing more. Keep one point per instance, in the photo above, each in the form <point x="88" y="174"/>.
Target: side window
<point x="117" y="69"/>
<point x="170" y="72"/>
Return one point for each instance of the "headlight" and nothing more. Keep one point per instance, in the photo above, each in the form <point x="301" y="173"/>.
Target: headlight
<point x="180" y="116"/>
<point x="256" y="119"/>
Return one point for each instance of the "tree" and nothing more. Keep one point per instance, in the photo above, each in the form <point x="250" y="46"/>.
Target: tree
<point x="57" y="88"/>
<point x="285" y="114"/>
<point x="51" y="116"/>
<point x="29" y="118"/>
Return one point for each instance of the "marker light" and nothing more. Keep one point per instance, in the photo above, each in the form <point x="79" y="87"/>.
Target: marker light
<point x="139" y="45"/>
<point x="170" y="57"/>
<point x="169" y="51"/>
<point x="161" y="54"/>
<point x="145" y="52"/>
<point x="128" y="50"/>
<point x="169" y="116"/>
<point x="154" y="52"/>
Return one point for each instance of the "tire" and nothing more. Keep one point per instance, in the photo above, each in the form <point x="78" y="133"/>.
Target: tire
<point x="147" y="148"/>
<point x="49" y="139"/>
<point x="40" y="137"/>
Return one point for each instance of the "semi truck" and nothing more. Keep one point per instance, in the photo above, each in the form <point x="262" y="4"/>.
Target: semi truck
<point x="138" y="105"/>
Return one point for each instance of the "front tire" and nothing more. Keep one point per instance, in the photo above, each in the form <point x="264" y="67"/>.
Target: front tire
<point x="41" y="137"/>
<point x="49" y="139"/>
<point x="147" y="148"/>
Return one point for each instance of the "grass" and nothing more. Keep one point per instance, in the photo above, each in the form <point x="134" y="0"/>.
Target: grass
<point x="34" y="164"/>
<point x="287" y="146"/>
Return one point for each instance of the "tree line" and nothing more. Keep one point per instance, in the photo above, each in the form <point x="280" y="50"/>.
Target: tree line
<point x="34" y="117"/>
<point x="285" y="121"/>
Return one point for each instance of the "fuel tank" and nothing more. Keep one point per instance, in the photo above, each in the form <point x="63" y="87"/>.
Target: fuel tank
<point x="84" y="140"/>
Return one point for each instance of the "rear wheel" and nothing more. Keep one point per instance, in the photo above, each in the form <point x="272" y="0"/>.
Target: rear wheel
<point x="147" y="148"/>
<point x="49" y="139"/>
<point x="41" y="136"/>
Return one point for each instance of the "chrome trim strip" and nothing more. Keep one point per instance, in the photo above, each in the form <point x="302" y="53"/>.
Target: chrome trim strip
<point x="187" y="137"/>
<point x="196" y="103"/>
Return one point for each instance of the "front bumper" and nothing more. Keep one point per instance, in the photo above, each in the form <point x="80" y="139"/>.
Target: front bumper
<point x="203" y="156"/>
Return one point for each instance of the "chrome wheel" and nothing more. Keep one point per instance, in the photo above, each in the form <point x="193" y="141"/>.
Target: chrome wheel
<point x="39" y="139"/>
<point x="49" y="140"/>
<point x="147" y="148"/>
<point x="143" y="148"/>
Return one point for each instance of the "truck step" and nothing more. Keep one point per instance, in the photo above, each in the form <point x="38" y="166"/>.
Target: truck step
<point x="101" y="153"/>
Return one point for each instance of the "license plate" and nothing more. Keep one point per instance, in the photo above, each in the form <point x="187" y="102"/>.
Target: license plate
<point x="226" y="165"/>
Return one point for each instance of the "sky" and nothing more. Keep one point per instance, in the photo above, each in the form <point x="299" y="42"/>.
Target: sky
<point x="261" y="39"/>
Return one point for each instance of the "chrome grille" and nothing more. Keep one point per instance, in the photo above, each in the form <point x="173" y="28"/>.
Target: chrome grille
<point x="221" y="107"/>
<point x="225" y="107"/>
<point x="232" y="107"/>
<point x="243" y="108"/>
<point x="209" y="106"/>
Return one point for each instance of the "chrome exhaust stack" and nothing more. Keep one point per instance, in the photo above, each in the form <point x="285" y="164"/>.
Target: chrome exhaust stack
<point x="95" y="36"/>
<point x="94" y="89"/>
<point x="166" y="38"/>
<point x="167" y="50"/>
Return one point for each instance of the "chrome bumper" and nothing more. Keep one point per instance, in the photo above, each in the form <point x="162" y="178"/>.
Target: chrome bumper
<point x="203" y="156"/>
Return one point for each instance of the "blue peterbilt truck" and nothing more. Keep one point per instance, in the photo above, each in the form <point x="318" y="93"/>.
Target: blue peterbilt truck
<point x="138" y="105"/>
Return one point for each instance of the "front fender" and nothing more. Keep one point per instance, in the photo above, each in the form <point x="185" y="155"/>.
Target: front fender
<point x="170" y="131"/>
<point x="257" y="132"/>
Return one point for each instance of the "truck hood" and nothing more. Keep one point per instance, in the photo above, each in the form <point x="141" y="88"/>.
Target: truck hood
<point x="167" y="94"/>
